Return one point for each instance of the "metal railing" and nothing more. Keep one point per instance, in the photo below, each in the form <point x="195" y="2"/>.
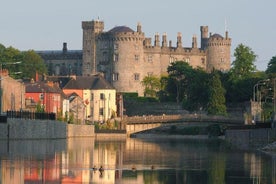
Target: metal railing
<point x="31" y="115"/>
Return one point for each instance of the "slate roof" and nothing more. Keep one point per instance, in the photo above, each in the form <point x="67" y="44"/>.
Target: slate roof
<point x="40" y="87"/>
<point x="60" y="80"/>
<point x="88" y="82"/>
<point x="119" y="29"/>
<point x="60" y="55"/>
<point x="216" y="36"/>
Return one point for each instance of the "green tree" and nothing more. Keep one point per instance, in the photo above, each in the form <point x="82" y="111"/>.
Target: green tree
<point x="216" y="103"/>
<point x="243" y="65"/>
<point x="197" y="95"/>
<point x="32" y="64"/>
<point x="27" y="62"/>
<point x="179" y="72"/>
<point x="152" y="86"/>
<point x="271" y="67"/>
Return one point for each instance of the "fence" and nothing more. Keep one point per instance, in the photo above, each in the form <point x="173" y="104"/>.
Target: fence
<point x="31" y="115"/>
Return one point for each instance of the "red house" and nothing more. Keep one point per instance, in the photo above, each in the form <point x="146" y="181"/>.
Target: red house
<point x="47" y="95"/>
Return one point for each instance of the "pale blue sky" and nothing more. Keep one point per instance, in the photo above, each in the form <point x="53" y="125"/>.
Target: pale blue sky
<point x="45" y="25"/>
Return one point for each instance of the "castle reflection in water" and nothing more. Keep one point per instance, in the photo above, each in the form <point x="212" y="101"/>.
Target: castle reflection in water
<point x="131" y="161"/>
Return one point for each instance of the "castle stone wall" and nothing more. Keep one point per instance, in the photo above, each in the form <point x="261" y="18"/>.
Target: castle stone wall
<point x="130" y="56"/>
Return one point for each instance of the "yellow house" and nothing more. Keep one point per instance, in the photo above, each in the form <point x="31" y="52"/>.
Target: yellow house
<point x="98" y="96"/>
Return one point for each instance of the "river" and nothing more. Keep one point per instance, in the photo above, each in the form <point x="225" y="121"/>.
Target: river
<point x="132" y="161"/>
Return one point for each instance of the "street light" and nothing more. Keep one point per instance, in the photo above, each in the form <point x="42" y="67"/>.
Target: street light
<point x="256" y="90"/>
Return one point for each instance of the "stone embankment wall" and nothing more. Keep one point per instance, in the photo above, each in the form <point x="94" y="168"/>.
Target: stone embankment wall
<point x="250" y="138"/>
<point x="42" y="129"/>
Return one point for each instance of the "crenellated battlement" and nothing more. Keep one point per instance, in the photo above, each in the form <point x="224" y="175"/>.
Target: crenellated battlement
<point x="126" y="56"/>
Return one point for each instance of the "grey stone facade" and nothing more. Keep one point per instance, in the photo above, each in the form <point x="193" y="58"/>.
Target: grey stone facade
<point x="126" y="56"/>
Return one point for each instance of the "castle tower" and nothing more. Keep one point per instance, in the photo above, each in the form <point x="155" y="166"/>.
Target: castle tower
<point x="218" y="53"/>
<point x="126" y="50"/>
<point x="204" y="36"/>
<point x="91" y="29"/>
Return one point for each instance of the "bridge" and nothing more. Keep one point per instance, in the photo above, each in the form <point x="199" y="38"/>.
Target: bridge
<point x="136" y="124"/>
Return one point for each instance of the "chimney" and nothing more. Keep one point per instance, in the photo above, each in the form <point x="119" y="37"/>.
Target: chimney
<point x="64" y="49"/>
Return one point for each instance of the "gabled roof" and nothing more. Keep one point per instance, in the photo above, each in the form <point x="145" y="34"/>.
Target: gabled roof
<point x="88" y="82"/>
<point x="41" y="87"/>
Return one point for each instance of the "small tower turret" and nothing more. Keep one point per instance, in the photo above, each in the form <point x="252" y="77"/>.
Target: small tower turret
<point x="157" y="41"/>
<point x="164" y="40"/>
<point x="139" y="27"/>
<point x="194" y="43"/>
<point x="204" y="36"/>
<point x="179" y="40"/>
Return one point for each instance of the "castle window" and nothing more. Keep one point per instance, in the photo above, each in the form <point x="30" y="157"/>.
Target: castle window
<point x="150" y="74"/>
<point x="115" y="77"/>
<point x="116" y="57"/>
<point x="150" y="58"/>
<point x="116" y="46"/>
<point x="221" y="60"/>
<point x="187" y="60"/>
<point x="136" y="57"/>
<point x="105" y="45"/>
<point x="136" y="47"/>
<point x="136" y="76"/>
<point x="202" y="61"/>
<point x="171" y="60"/>
<point x="105" y="56"/>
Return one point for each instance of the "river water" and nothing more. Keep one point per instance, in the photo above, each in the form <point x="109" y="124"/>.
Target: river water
<point x="132" y="161"/>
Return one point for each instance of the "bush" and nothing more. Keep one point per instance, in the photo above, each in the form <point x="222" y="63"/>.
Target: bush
<point x="215" y="130"/>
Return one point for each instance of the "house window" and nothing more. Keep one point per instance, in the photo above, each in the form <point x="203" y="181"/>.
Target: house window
<point x="92" y="97"/>
<point x="150" y="58"/>
<point x="41" y="96"/>
<point x="101" y="111"/>
<point x="115" y="76"/>
<point x="116" y="57"/>
<point x="136" y="76"/>
<point x="102" y="96"/>
<point x="136" y="57"/>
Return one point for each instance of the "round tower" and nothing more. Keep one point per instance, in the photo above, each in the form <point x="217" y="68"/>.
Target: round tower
<point x="126" y="65"/>
<point x="218" y="53"/>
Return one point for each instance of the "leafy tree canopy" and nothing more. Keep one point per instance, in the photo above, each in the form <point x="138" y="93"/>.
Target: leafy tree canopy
<point x="271" y="67"/>
<point x="152" y="85"/>
<point x="243" y="66"/>
<point x="216" y="102"/>
<point x="21" y="64"/>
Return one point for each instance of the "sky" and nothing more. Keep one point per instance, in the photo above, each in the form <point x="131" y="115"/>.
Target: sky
<point x="45" y="25"/>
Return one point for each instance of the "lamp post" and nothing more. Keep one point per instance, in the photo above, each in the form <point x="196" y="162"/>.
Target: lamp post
<point x="258" y="96"/>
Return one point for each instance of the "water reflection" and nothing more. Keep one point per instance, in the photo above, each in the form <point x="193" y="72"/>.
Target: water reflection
<point x="132" y="161"/>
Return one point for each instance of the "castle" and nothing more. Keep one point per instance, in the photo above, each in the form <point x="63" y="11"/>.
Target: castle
<point x="125" y="56"/>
